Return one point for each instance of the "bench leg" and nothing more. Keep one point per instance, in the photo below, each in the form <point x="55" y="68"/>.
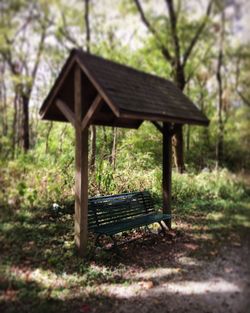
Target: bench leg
<point x="114" y="241"/>
<point x="164" y="230"/>
<point x="97" y="240"/>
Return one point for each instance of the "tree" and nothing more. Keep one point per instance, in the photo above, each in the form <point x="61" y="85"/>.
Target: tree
<point x="219" y="144"/>
<point x="93" y="128"/>
<point x="17" y="21"/>
<point x="177" y="58"/>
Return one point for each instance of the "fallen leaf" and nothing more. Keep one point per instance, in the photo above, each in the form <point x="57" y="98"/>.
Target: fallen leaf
<point x="191" y="246"/>
<point x="147" y="284"/>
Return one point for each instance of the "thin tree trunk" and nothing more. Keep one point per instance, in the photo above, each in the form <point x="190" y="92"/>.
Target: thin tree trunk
<point x="87" y="25"/>
<point x="92" y="128"/>
<point x="178" y="144"/>
<point x="93" y="147"/>
<point x="19" y="129"/>
<point x="105" y="138"/>
<point x="47" y="137"/>
<point x="25" y="123"/>
<point x="14" y="124"/>
<point x="62" y="138"/>
<point x="220" y="133"/>
<point x="113" y="162"/>
<point x="188" y="137"/>
<point x="5" y="118"/>
<point x="178" y="141"/>
<point x="4" y="110"/>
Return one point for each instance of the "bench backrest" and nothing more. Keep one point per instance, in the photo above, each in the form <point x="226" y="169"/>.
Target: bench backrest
<point x="116" y="208"/>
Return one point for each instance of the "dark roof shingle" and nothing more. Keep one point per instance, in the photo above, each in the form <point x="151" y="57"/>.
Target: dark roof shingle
<point x="135" y="92"/>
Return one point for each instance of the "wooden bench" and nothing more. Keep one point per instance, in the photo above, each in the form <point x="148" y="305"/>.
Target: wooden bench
<point x="110" y="215"/>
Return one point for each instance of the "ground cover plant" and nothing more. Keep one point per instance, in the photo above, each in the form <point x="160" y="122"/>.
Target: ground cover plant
<point x="41" y="271"/>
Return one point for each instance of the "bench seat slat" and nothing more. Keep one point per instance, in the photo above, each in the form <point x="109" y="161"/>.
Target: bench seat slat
<point x="112" y="229"/>
<point x="123" y="214"/>
<point x="110" y="215"/>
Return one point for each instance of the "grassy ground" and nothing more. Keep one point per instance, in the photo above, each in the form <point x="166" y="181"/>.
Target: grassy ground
<point x="41" y="272"/>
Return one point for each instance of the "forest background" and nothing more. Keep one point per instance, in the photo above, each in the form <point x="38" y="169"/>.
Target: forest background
<point x="203" y="46"/>
<point x="200" y="45"/>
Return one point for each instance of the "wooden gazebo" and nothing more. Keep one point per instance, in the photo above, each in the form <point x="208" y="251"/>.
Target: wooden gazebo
<point x="92" y="90"/>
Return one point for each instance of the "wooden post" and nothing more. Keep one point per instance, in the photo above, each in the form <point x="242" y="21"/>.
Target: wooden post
<point x="81" y="161"/>
<point x="167" y="171"/>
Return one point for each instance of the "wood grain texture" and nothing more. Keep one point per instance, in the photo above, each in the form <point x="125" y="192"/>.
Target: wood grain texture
<point x="66" y="111"/>
<point x="95" y="106"/>
<point x="81" y="163"/>
<point x="158" y="126"/>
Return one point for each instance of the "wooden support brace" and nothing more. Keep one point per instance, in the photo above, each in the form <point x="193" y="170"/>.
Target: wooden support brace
<point x="64" y="108"/>
<point x="95" y="106"/>
<point x="175" y="128"/>
<point x="158" y="126"/>
<point x="172" y="128"/>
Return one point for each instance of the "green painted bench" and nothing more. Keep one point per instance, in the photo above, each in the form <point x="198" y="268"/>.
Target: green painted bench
<point x="110" y="215"/>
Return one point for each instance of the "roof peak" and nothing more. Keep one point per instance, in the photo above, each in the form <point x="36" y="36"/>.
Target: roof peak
<point x="130" y="93"/>
<point x="83" y="52"/>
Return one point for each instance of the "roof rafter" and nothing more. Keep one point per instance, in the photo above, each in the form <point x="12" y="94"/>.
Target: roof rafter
<point x="95" y="106"/>
<point x="64" y="108"/>
<point x="99" y="88"/>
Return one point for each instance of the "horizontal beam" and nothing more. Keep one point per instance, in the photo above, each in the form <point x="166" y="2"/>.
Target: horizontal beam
<point x="95" y="106"/>
<point x="64" y="108"/>
<point x="159" y="117"/>
<point x="171" y="130"/>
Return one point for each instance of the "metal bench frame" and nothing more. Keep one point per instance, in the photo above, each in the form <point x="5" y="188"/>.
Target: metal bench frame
<point x="110" y="215"/>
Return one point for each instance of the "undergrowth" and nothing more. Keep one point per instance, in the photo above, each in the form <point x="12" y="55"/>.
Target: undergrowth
<point x="29" y="183"/>
<point x="39" y="264"/>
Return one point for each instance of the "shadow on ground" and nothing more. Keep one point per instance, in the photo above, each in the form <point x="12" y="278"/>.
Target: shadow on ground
<point x="200" y="267"/>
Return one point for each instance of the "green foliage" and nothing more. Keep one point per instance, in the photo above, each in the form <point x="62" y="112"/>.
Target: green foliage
<point x="207" y="185"/>
<point x="31" y="181"/>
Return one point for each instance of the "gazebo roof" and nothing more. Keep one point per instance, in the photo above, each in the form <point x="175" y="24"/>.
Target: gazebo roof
<point x="128" y="96"/>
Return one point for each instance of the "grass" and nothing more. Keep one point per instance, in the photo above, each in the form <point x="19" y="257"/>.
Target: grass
<point x="41" y="271"/>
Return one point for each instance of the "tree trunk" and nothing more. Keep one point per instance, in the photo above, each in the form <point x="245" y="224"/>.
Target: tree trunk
<point x="93" y="147"/>
<point x="176" y="59"/>
<point x="25" y="123"/>
<point x="178" y="142"/>
<point x="113" y="155"/>
<point x="4" y="109"/>
<point x="14" y="124"/>
<point x="220" y="133"/>
<point x="188" y="138"/>
<point x="178" y="145"/>
<point x="47" y="137"/>
<point x="92" y="128"/>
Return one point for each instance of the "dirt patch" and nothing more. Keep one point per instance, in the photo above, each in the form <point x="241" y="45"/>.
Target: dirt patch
<point x="201" y="266"/>
<point x="163" y="277"/>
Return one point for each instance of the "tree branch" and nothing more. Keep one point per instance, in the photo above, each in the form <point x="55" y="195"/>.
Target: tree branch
<point x="64" y="31"/>
<point x="86" y="17"/>
<point x="173" y="23"/>
<point x="197" y="34"/>
<point x="151" y="29"/>
<point x="39" y="52"/>
<point x="243" y="98"/>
